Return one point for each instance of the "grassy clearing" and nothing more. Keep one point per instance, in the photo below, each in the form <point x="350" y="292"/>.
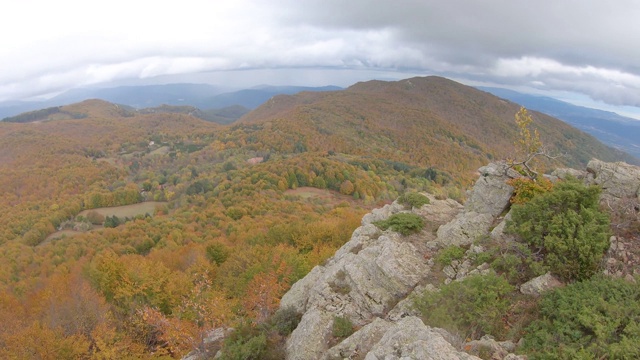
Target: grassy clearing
<point x="164" y="150"/>
<point x="310" y="192"/>
<point x="148" y="207"/>
<point x="59" y="234"/>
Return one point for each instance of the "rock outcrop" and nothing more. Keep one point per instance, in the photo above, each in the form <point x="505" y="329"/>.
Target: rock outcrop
<point x="363" y="281"/>
<point x="496" y="349"/>
<point x="488" y="199"/>
<point x="618" y="180"/>
<point x="373" y="279"/>
<point x="408" y="338"/>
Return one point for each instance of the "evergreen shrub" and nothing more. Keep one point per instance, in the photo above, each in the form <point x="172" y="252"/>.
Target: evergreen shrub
<point x="565" y="226"/>
<point x="471" y="308"/>
<point x="404" y="223"/>
<point x="595" y="319"/>
<point x="413" y="199"/>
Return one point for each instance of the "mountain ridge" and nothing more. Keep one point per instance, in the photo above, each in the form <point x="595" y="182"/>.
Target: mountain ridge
<point x="203" y="96"/>
<point x="427" y="112"/>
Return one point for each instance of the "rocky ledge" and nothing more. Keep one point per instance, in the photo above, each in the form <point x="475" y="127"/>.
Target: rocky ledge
<point x="370" y="280"/>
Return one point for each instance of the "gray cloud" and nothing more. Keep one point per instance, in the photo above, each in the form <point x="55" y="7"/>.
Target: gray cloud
<point x="585" y="46"/>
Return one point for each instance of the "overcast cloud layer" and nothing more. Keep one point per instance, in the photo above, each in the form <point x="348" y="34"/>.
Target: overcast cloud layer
<point x="584" y="46"/>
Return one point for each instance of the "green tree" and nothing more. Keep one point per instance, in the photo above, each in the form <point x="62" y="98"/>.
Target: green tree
<point x="566" y="226"/>
<point x="112" y="221"/>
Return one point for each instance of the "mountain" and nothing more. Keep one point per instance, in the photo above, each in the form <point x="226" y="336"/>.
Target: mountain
<point x="133" y="234"/>
<point x="252" y="98"/>
<point x="612" y="129"/>
<point x="134" y="96"/>
<point x="432" y="122"/>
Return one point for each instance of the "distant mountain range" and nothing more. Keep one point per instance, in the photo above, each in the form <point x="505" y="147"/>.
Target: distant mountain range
<point x="204" y="97"/>
<point x="617" y="131"/>
<point x="212" y="103"/>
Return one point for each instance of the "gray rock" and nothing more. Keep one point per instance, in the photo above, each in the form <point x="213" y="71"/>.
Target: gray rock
<point x="482" y="269"/>
<point x="474" y="250"/>
<point x="375" y="270"/>
<point x="618" y="180"/>
<point x="540" y="284"/>
<point x="497" y="349"/>
<point x="215" y="335"/>
<point x="491" y="193"/>
<point x="463" y="269"/>
<point x="382" y="213"/>
<point x="449" y="271"/>
<point x="498" y="231"/>
<point x="405" y="307"/>
<point x="488" y="199"/>
<point x="409" y="338"/>
<point x="358" y="285"/>
<point x="515" y="357"/>
<point x="439" y="211"/>
<point x="298" y="295"/>
<point x="466" y="228"/>
<point x="360" y="342"/>
<point x="301" y="346"/>
<point x="564" y="173"/>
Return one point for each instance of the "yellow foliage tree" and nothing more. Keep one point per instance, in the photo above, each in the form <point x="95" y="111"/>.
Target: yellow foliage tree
<point x="529" y="147"/>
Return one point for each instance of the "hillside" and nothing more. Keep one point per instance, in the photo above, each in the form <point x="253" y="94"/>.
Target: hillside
<point x="612" y="129"/>
<point x="427" y="122"/>
<point x="241" y="212"/>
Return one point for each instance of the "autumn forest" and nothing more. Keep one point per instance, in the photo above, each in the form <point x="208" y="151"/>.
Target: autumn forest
<point x="128" y="235"/>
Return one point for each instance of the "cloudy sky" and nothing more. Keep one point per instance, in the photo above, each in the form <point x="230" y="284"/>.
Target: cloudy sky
<point x="581" y="50"/>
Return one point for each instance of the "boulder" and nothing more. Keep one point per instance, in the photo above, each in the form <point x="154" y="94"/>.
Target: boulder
<point x="298" y="295"/>
<point x="405" y="306"/>
<point x="439" y="211"/>
<point x="491" y="193"/>
<point x="618" y="180"/>
<point x="488" y="199"/>
<point x="540" y="284"/>
<point x="498" y="232"/>
<point x="407" y="338"/>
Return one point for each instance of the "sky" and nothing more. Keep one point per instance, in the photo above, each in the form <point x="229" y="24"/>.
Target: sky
<point x="582" y="51"/>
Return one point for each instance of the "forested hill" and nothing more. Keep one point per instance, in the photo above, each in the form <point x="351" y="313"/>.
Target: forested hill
<point x="428" y="121"/>
<point x="130" y="235"/>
